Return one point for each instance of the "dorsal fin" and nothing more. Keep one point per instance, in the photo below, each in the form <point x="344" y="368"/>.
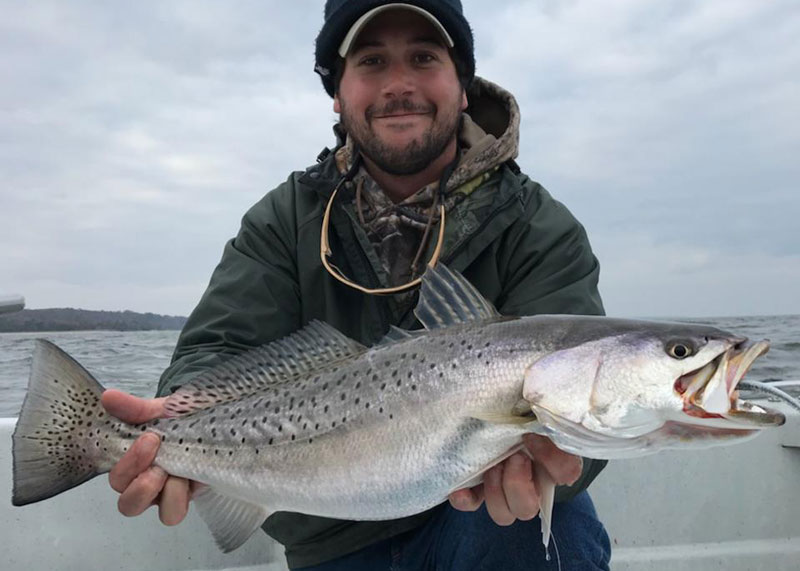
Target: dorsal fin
<point x="447" y="298"/>
<point x="315" y="345"/>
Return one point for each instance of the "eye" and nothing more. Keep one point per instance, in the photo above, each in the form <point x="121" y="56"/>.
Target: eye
<point x="370" y="60"/>
<point x="424" y="58"/>
<point x="680" y="349"/>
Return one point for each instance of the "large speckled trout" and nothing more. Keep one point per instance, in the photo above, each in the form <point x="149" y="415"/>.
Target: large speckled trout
<point x="319" y="424"/>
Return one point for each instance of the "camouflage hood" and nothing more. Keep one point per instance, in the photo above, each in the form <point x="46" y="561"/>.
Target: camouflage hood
<point x="488" y="137"/>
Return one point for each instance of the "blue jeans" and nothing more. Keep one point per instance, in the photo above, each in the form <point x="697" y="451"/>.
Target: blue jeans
<point x="471" y="541"/>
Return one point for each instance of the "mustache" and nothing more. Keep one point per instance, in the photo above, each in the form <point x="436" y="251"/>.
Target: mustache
<point x="398" y="105"/>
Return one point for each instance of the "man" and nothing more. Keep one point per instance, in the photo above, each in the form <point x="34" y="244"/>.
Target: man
<point x="419" y="136"/>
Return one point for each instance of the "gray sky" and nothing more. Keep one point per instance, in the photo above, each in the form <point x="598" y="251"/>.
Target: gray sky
<point x="134" y="135"/>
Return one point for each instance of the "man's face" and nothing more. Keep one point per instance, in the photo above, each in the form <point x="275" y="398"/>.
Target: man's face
<point x="399" y="97"/>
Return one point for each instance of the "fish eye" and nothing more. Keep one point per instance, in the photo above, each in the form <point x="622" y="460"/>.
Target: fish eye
<point x="680" y="349"/>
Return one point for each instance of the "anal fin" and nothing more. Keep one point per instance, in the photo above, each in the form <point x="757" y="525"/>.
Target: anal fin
<point x="232" y="521"/>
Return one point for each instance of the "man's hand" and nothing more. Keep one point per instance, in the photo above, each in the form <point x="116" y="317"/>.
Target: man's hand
<point x="139" y="483"/>
<point x="509" y="488"/>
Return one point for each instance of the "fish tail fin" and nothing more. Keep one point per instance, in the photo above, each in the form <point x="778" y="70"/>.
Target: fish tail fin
<point x="56" y="442"/>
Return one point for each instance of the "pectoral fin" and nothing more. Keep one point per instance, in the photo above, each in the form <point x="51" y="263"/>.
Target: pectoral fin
<point x="520" y="414"/>
<point x="503" y="418"/>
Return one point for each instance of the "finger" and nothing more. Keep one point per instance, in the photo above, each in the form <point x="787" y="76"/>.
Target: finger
<point x="563" y="467"/>
<point x="135" y="461"/>
<point x="519" y="489"/>
<point x="140" y="494"/>
<point x="174" y="503"/>
<point x="131" y="409"/>
<point x="496" y="503"/>
<point x="468" y="499"/>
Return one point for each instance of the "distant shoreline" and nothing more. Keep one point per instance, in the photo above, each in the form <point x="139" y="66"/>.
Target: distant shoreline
<point x="56" y="320"/>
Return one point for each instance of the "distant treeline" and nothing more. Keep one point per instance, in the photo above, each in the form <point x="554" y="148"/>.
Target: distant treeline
<point x="68" y="319"/>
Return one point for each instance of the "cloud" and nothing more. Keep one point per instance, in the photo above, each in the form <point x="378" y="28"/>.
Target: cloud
<point x="133" y="137"/>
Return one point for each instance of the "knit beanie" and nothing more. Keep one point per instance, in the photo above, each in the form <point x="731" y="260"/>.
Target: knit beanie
<point x="340" y="15"/>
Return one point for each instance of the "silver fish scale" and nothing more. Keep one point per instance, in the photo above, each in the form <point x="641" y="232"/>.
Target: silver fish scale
<point x="406" y="405"/>
<point x="281" y="361"/>
<point x="362" y="388"/>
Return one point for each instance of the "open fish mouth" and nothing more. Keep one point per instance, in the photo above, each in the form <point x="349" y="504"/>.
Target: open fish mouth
<point x="710" y="395"/>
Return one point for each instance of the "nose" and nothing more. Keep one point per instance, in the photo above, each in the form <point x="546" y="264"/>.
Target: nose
<point x="399" y="81"/>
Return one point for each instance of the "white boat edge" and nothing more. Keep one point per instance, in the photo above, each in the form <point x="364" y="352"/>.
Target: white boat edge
<point x="733" y="508"/>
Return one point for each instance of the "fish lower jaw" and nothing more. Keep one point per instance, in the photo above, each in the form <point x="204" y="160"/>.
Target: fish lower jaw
<point x="742" y="415"/>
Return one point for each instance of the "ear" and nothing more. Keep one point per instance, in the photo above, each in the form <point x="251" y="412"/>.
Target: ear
<point x="337" y="106"/>
<point x="464" y="102"/>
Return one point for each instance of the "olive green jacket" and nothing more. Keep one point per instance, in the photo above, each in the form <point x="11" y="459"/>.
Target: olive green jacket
<point x="522" y="249"/>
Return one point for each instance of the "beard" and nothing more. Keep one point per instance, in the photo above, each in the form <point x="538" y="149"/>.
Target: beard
<point x="412" y="157"/>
